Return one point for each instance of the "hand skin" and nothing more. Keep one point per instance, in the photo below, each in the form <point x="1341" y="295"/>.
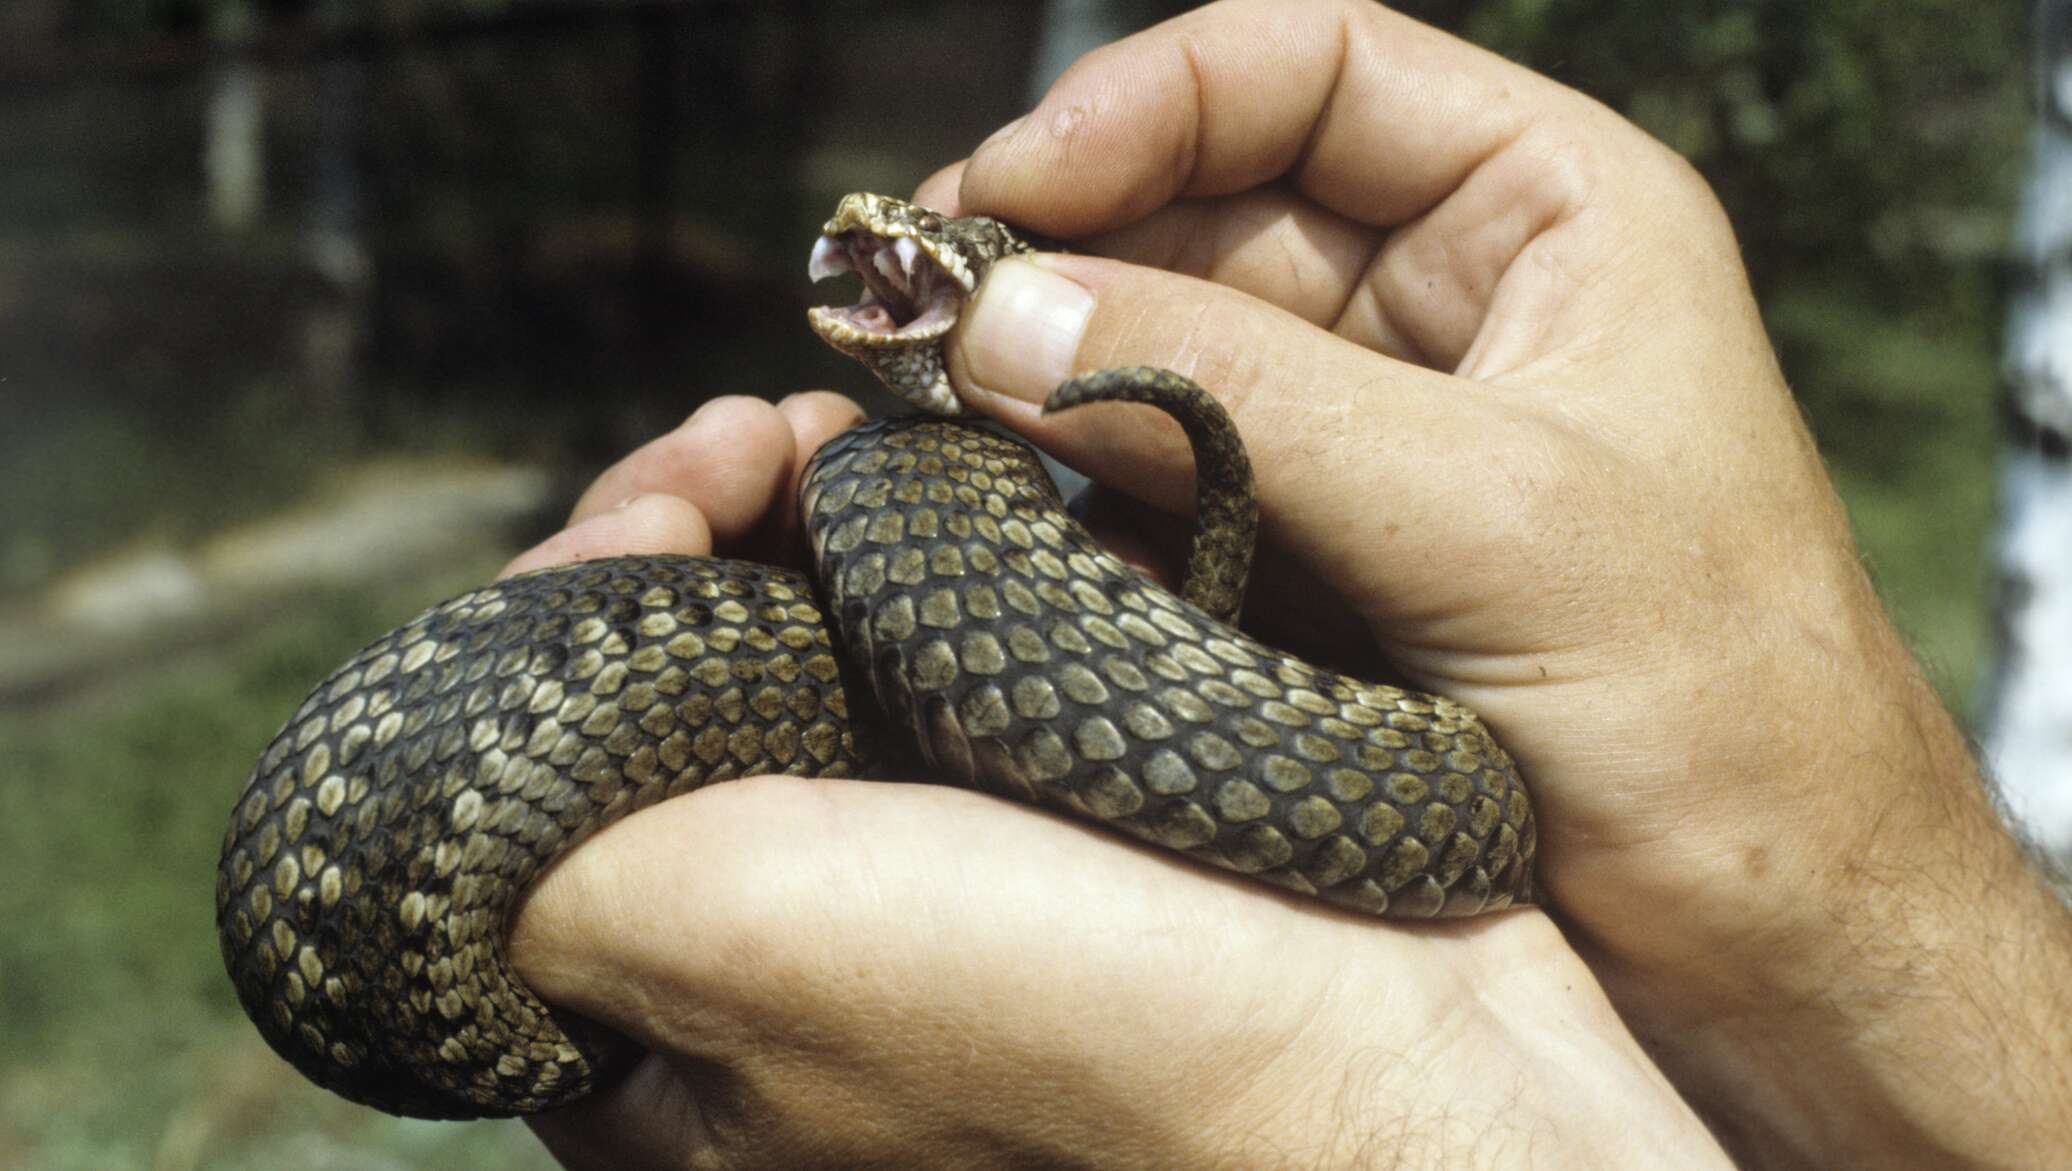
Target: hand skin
<point x="1510" y="402"/>
<point x="833" y="974"/>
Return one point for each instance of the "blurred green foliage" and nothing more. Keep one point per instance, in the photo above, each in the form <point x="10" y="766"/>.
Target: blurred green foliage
<point x="1871" y="150"/>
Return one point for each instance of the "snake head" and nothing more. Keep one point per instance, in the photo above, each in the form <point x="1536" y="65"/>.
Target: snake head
<point x="919" y="267"/>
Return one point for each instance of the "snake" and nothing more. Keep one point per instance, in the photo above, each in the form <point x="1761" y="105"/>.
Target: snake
<point x="959" y="625"/>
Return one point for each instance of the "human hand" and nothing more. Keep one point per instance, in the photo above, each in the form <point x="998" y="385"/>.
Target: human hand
<point x="1510" y="400"/>
<point x="838" y="974"/>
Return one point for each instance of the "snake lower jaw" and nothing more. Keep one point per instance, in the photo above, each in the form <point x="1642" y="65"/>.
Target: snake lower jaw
<point x="909" y="362"/>
<point x="896" y="329"/>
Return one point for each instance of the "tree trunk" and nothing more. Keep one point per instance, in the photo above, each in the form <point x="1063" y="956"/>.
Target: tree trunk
<point x="233" y="151"/>
<point x="2028" y="731"/>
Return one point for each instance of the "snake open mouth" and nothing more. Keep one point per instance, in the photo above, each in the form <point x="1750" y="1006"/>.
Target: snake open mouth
<point x="908" y="295"/>
<point x="918" y="267"/>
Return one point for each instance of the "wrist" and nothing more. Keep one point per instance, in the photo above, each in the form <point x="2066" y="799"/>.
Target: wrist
<point x="1907" y="1008"/>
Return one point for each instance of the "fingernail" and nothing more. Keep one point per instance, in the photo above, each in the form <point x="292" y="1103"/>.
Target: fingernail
<point x="1022" y="337"/>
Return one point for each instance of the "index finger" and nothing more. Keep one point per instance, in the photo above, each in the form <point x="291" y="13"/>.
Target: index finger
<point x="1510" y="221"/>
<point x="1231" y="96"/>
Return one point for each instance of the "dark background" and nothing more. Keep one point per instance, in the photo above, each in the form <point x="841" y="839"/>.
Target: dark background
<point x="265" y="392"/>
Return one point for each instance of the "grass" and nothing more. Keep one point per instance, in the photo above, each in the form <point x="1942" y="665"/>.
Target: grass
<point x="126" y="1047"/>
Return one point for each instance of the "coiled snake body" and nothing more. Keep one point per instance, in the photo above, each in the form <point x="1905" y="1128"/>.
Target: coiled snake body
<point x="978" y="633"/>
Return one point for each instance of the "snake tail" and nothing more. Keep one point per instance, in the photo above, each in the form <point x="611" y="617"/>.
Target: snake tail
<point x="1226" y="506"/>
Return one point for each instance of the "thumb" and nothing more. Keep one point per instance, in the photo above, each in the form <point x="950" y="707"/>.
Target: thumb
<point x="780" y="905"/>
<point x="791" y="949"/>
<point x="1374" y="473"/>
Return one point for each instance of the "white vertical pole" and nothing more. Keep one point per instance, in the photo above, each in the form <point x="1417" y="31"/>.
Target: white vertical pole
<point x="233" y="151"/>
<point x="2028" y="729"/>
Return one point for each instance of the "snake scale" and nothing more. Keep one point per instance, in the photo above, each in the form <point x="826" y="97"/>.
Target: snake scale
<point x="959" y="625"/>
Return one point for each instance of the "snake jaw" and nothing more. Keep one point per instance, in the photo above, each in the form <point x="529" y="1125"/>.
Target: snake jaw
<point x="918" y="269"/>
<point x="896" y="328"/>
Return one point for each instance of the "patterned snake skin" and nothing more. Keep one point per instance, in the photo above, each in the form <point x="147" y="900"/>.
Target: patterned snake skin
<point x="963" y="627"/>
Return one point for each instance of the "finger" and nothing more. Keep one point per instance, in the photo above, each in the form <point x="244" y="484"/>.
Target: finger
<point x="652" y="1117"/>
<point x="1236" y="94"/>
<point x="939" y="191"/>
<point x="836" y="939"/>
<point x="795" y="873"/>
<point x="809" y="949"/>
<point x="1152" y="542"/>
<point x="731" y="459"/>
<point x="1293" y="390"/>
<point x="1268" y="242"/>
<point x="1417" y="496"/>
<point x="1478" y="163"/>
<point x="812" y="418"/>
<point x="653" y="522"/>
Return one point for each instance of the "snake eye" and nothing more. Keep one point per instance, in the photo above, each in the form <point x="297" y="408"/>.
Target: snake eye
<point x="929" y="222"/>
